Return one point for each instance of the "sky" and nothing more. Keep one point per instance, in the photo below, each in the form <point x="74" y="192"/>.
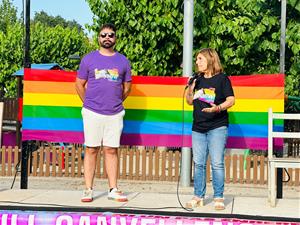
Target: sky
<point x="77" y="10"/>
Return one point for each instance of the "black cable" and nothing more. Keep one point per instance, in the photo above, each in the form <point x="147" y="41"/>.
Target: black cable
<point x="289" y="177"/>
<point x="80" y="207"/>
<point x="17" y="170"/>
<point x="182" y="135"/>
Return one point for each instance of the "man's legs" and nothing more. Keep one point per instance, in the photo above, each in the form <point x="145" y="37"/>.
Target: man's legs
<point x="90" y="159"/>
<point x="111" y="165"/>
<point x="93" y="133"/>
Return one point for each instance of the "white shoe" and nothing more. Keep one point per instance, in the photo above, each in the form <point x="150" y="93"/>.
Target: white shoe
<point x="117" y="195"/>
<point x="87" y="195"/>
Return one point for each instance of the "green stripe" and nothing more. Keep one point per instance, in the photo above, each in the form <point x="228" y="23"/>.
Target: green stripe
<point x="176" y="116"/>
<point x="51" y="111"/>
<point x="146" y="115"/>
<point x="251" y="118"/>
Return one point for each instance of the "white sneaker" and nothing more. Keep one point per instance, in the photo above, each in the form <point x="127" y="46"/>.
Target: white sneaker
<point x="87" y="195"/>
<point x="117" y="195"/>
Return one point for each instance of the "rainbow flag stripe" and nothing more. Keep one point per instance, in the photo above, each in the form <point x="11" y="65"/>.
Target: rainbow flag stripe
<point x="156" y="112"/>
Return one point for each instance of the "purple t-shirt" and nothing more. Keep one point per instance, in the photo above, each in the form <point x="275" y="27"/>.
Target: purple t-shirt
<point x="105" y="76"/>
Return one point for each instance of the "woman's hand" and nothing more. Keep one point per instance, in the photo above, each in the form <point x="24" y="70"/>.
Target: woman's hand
<point x="190" y="92"/>
<point x="214" y="108"/>
<point x="191" y="87"/>
<point x="230" y="100"/>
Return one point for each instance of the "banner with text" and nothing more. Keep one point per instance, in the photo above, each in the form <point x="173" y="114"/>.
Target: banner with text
<point x="66" y="218"/>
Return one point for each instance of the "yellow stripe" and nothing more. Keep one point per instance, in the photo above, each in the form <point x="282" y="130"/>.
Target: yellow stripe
<point x="241" y="105"/>
<point x="52" y="99"/>
<point x="257" y="105"/>
<point x="154" y="103"/>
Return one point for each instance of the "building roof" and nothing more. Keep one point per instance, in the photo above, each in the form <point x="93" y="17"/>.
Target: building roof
<point x="40" y="66"/>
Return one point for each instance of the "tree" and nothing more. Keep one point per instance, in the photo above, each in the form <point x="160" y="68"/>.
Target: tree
<point x="53" y="21"/>
<point x="295" y="4"/>
<point x="48" y="45"/>
<point x="149" y="32"/>
<point x="11" y="57"/>
<point x="246" y="33"/>
<point x="56" y="44"/>
<point x="8" y="15"/>
<point x="53" y="43"/>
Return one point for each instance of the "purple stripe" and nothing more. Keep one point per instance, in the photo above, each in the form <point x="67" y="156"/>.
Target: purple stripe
<point x="156" y="140"/>
<point x="53" y="136"/>
<point x="149" y="139"/>
<point x="176" y="141"/>
<point x="253" y="143"/>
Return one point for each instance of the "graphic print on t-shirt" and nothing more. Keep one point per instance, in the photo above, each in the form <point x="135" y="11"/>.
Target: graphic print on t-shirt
<point x="111" y="75"/>
<point x="206" y="95"/>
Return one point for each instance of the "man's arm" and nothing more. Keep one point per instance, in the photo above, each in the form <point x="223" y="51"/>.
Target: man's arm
<point x="80" y="88"/>
<point x="126" y="89"/>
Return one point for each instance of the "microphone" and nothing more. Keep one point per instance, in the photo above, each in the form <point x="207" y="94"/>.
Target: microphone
<point x="194" y="77"/>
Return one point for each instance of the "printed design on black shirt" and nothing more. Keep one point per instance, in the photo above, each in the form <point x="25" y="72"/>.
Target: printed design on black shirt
<point x="207" y="95"/>
<point x="111" y="75"/>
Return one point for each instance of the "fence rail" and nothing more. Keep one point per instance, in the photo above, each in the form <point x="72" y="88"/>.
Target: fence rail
<point x="136" y="164"/>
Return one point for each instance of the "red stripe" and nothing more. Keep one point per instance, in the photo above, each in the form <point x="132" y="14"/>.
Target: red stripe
<point x="50" y="75"/>
<point x="168" y="80"/>
<point x="258" y="80"/>
<point x="273" y="80"/>
<point x="20" y="109"/>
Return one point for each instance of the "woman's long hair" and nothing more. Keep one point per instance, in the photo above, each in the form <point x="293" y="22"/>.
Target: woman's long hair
<point x="213" y="61"/>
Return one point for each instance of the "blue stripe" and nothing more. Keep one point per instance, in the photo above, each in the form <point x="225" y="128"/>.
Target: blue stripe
<point x="235" y="130"/>
<point x="141" y="127"/>
<point x="52" y="124"/>
<point x="247" y="130"/>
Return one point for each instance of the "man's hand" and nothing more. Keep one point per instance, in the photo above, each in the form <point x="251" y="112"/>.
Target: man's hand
<point x="80" y="88"/>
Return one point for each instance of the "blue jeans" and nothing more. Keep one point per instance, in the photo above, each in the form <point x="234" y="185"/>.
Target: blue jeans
<point x="213" y="143"/>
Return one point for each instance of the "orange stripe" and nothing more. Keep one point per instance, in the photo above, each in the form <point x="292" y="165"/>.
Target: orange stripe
<point x="153" y="90"/>
<point x="259" y="92"/>
<point x="49" y="87"/>
<point x="150" y="90"/>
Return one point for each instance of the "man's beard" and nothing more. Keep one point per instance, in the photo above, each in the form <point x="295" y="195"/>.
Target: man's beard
<point x="107" y="44"/>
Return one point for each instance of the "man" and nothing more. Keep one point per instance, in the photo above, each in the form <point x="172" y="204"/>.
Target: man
<point x="103" y="83"/>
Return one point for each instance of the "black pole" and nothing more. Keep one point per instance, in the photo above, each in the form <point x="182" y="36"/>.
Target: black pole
<point x="24" y="163"/>
<point x="27" y="35"/>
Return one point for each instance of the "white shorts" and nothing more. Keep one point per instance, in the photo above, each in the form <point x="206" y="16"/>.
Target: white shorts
<point x="101" y="129"/>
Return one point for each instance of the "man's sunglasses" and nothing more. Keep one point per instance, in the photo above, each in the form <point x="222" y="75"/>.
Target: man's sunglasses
<point x="110" y="35"/>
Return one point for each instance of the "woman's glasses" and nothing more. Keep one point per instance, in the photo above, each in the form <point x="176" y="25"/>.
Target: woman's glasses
<point x="110" y="35"/>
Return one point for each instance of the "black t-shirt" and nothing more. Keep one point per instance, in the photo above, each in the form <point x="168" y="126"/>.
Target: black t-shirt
<point x="210" y="90"/>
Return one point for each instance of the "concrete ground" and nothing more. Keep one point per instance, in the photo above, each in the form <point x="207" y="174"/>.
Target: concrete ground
<point x="248" y="200"/>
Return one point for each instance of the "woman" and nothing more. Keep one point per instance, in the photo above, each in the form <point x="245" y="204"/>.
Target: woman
<point x="211" y="94"/>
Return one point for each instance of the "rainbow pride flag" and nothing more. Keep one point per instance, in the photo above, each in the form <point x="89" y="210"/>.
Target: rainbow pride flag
<point x="156" y="111"/>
